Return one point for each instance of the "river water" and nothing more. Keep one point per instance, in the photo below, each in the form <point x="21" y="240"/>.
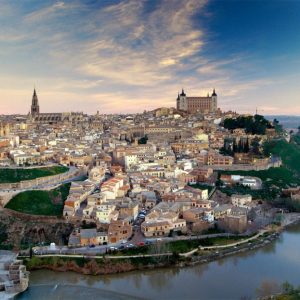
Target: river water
<point x="235" y="277"/>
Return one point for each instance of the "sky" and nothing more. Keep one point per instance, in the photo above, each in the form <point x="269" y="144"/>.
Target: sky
<point x="135" y="55"/>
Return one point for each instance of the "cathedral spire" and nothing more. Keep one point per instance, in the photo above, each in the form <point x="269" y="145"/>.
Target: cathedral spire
<point x="35" y="108"/>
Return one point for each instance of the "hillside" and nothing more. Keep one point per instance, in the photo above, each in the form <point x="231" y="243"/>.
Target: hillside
<point x="47" y="203"/>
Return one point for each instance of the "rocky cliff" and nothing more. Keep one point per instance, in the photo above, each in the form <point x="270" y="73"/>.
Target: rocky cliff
<point x="19" y="231"/>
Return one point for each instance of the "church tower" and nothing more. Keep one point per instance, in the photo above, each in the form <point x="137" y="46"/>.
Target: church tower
<point x="35" y="108"/>
<point x="182" y="101"/>
<point x="214" y="99"/>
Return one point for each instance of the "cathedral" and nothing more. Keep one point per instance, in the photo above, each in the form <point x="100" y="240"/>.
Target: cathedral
<point x="52" y="118"/>
<point x="197" y="104"/>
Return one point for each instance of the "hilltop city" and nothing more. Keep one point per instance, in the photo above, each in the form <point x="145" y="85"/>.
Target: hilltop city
<point x="171" y="180"/>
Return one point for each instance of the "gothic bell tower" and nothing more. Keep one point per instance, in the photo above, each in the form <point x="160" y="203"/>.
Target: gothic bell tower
<point x="35" y="108"/>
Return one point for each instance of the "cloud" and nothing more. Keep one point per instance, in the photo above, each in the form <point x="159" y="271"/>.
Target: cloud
<point x="47" y="12"/>
<point x="135" y="48"/>
<point x="127" y="56"/>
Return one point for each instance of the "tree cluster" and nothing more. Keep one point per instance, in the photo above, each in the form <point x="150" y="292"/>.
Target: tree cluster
<point x="231" y="146"/>
<point x="143" y="140"/>
<point x="256" y="124"/>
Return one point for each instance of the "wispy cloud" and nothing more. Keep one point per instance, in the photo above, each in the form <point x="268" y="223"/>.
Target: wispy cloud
<point x="126" y="56"/>
<point x="56" y="9"/>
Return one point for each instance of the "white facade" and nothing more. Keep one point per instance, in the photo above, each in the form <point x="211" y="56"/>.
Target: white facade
<point x="241" y="200"/>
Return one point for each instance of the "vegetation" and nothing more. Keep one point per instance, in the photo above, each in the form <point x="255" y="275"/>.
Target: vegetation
<point x="296" y="139"/>
<point x="270" y="289"/>
<point x="131" y="251"/>
<point x="143" y="140"/>
<point x="289" y="153"/>
<point x="96" y="266"/>
<point x="278" y="127"/>
<point x="256" y="124"/>
<point x="188" y="245"/>
<point x="287" y="203"/>
<point x="213" y="230"/>
<point x="289" y="292"/>
<point x="231" y="146"/>
<point x="85" y="225"/>
<point x="17" y="175"/>
<point x="47" y="203"/>
<point x="274" y="179"/>
<point x="3" y="238"/>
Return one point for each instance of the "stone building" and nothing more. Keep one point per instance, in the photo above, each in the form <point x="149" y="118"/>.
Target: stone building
<point x="206" y="104"/>
<point x="118" y="231"/>
<point x="52" y="118"/>
<point x="4" y="129"/>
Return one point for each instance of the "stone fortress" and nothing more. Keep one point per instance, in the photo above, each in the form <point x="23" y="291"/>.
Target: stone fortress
<point x="203" y="105"/>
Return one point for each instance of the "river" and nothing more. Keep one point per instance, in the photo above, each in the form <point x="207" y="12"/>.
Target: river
<point x="235" y="277"/>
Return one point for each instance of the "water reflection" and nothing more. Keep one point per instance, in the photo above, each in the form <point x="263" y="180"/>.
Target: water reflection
<point x="267" y="288"/>
<point x="199" y="270"/>
<point x="66" y="292"/>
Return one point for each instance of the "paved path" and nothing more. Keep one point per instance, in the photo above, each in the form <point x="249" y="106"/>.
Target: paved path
<point x="106" y="256"/>
<point x="91" y="255"/>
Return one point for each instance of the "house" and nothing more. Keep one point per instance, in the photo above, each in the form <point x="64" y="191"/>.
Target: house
<point x="156" y="228"/>
<point x="222" y="210"/>
<point x="105" y="213"/>
<point x="161" y="227"/>
<point x="87" y="237"/>
<point x="234" y="223"/>
<point x="128" y="209"/>
<point x="110" y="187"/>
<point x="195" y="214"/>
<point x="118" y="231"/>
<point x="241" y="200"/>
<point x="160" y="222"/>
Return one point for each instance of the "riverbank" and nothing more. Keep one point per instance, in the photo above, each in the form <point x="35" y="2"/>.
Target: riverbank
<point x="109" y="264"/>
<point x="112" y="264"/>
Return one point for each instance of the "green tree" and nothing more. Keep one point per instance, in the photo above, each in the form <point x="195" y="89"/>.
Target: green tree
<point x="255" y="146"/>
<point x="246" y="146"/>
<point x="287" y="288"/>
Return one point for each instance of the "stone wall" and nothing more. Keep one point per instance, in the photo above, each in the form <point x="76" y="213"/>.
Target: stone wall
<point x="240" y="167"/>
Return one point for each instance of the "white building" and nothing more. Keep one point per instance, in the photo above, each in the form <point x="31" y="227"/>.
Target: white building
<point x="241" y="200"/>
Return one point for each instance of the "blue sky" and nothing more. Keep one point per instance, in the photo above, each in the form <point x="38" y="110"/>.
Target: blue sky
<point x="127" y="56"/>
